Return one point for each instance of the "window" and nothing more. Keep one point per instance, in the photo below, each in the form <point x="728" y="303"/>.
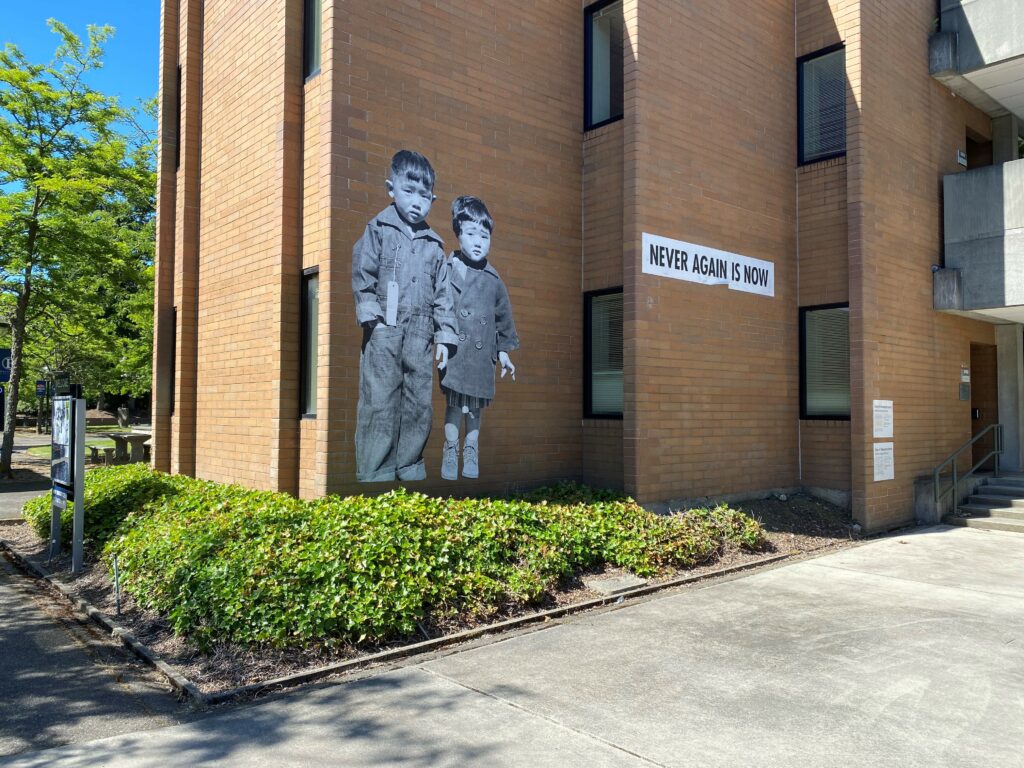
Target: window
<point x="312" y="32"/>
<point x="308" y="344"/>
<point x="602" y="339"/>
<point x="603" y="65"/>
<point x="822" y="87"/>
<point x="825" y="362"/>
<point x="174" y="355"/>
<point x="177" y="125"/>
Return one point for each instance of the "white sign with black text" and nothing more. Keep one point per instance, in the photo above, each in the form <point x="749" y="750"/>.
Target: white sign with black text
<point x="882" y="419"/>
<point x="885" y="463"/>
<point x="699" y="264"/>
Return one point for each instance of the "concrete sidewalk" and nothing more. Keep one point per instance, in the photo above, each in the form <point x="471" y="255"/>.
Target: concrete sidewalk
<point x="907" y="652"/>
<point x="14" y="495"/>
<point x="61" y="681"/>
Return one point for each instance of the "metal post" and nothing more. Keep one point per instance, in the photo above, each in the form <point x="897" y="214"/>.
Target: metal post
<point x="117" y="586"/>
<point x="78" y="457"/>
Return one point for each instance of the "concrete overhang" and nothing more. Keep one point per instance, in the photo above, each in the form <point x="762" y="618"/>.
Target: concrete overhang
<point x="978" y="53"/>
<point x="983" y="218"/>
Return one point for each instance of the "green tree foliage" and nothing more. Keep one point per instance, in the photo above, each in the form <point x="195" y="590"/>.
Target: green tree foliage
<point x="77" y="191"/>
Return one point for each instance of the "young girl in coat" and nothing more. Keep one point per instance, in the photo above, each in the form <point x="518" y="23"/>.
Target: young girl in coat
<point x="486" y="333"/>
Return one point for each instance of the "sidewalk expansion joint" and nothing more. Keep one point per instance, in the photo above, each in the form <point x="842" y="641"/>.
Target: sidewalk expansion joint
<point x="547" y="718"/>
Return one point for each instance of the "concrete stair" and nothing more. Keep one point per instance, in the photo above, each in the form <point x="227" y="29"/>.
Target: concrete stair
<point x="996" y="505"/>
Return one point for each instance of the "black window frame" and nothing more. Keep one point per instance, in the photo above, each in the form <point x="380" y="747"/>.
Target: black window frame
<point x="304" y="324"/>
<point x="801" y="160"/>
<point x="588" y="47"/>
<point x="804" y="416"/>
<point x="588" y="412"/>
<point x="174" y="358"/>
<point x="177" y="125"/>
<point x="312" y="38"/>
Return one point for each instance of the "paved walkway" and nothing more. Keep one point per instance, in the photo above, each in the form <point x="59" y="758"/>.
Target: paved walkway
<point x="61" y="682"/>
<point x="904" y="652"/>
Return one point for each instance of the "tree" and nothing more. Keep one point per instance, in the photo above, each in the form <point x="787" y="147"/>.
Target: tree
<point x="77" y="195"/>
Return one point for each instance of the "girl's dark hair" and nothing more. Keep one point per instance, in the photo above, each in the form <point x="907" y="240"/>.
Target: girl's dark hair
<point x="469" y="208"/>
<point x="412" y="165"/>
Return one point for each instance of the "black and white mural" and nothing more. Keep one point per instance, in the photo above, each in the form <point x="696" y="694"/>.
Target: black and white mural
<point x="419" y="306"/>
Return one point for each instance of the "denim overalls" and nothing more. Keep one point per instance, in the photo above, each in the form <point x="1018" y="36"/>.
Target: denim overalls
<point x="396" y="367"/>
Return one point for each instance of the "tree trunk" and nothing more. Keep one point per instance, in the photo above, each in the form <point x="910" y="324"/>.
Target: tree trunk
<point x="11" y="410"/>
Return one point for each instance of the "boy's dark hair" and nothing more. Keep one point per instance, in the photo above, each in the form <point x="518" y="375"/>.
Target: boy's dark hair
<point x="412" y="165"/>
<point x="469" y="208"/>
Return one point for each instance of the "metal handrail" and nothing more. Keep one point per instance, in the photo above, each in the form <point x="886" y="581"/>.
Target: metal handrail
<point x="997" y="450"/>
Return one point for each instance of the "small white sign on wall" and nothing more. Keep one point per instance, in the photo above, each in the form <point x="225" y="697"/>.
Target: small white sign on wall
<point x="882" y="411"/>
<point x="694" y="263"/>
<point x="885" y="464"/>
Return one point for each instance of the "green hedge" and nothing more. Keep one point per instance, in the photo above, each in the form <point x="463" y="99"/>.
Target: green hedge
<point x="111" y="493"/>
<point x="225" y="563"/>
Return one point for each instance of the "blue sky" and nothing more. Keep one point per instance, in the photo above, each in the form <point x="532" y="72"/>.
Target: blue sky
<point x="132" y="54"/>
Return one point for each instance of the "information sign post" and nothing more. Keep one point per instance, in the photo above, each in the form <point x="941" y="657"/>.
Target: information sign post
<point x="67" y="473"/>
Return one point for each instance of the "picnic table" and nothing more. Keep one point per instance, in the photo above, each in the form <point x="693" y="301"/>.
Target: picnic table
<point x="128" y="446"/>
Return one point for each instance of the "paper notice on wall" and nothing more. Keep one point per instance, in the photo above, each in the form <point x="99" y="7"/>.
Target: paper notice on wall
<point x="882" y="418"/>
<point x="885" y="466"/>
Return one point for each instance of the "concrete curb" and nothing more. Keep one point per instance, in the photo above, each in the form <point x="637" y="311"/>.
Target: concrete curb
<point x="186" y="687"/>
<point x="417" y="649"/>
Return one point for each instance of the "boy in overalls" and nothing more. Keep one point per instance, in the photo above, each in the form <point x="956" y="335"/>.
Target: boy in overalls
<point x="400" y="280"/>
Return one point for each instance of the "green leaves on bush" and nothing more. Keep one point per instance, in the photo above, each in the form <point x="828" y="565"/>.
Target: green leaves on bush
<point x="226" y="563"/>
<point x="111" y="493"/>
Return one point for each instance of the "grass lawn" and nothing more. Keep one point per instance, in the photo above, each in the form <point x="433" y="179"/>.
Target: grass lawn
<point x="44" y="450"/>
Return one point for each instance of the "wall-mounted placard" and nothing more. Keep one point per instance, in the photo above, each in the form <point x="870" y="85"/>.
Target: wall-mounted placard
<point x="699" y="264"/>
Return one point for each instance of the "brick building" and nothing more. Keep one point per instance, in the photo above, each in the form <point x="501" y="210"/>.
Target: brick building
<point x="732" y="233"/>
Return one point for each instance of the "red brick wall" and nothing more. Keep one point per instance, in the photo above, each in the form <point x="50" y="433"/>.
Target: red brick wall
<point x="246" y="418"/>
<point x="602" y="268"/>
<point x="904" y="134"/>
<point x="496" y="106"/>
<point x="710" y="154"/>
<point x="822" y="239"/>
<point x="163" y="319"/>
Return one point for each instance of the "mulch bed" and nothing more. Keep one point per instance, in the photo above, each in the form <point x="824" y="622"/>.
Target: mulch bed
<point x="800" y="525"/>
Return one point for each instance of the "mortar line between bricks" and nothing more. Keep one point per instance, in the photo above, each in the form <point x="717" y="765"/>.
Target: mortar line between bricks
<point x="916" y="581"/>
<point x="532" y="713"/>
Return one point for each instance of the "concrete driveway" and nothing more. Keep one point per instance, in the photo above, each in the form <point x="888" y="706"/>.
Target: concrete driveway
<point x="907" y="651"/>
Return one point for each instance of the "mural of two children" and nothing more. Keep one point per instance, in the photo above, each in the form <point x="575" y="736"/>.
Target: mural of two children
<point x="417" y="306"/>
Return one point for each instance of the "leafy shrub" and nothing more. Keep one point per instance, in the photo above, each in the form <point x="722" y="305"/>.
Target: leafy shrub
<point x="224" y="562"/>
<point x="111" y="493"/>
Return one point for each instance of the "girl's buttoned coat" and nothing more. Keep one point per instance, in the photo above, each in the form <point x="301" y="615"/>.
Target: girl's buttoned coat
<point x="483" y="319"/>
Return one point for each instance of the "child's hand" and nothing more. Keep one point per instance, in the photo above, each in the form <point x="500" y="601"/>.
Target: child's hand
<point x="441" y="355"/>
<point x="506" y="365"/>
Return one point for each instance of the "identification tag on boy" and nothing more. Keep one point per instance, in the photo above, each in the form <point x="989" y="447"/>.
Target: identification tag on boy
<point x="391" y="311"/>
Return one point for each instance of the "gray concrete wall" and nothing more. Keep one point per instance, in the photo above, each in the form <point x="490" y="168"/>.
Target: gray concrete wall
<point x="1010" y="362"/>
<point x="988" y="31"/>
<point x="984" y="232"/>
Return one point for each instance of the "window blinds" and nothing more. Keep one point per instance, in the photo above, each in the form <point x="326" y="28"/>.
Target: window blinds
<point x="823" y="104"/>
<point x="827" y="362"/>
<point x="606" y="355"/>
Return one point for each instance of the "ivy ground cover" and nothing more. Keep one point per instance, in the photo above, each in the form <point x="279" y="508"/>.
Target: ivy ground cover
<point x="224" y="563"/>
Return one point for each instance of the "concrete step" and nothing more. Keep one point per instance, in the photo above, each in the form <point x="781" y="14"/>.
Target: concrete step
<point x="1015" y="491"/>
<point x="992" y="510"/>
<point x="994" y="499"/>
<point x="986" y="523"/>
<point x="1006" y="479"/>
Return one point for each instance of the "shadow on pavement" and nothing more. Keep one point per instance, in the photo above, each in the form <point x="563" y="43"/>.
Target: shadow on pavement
<point x="57" y="684"/>
<point x="406" y="718"/>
